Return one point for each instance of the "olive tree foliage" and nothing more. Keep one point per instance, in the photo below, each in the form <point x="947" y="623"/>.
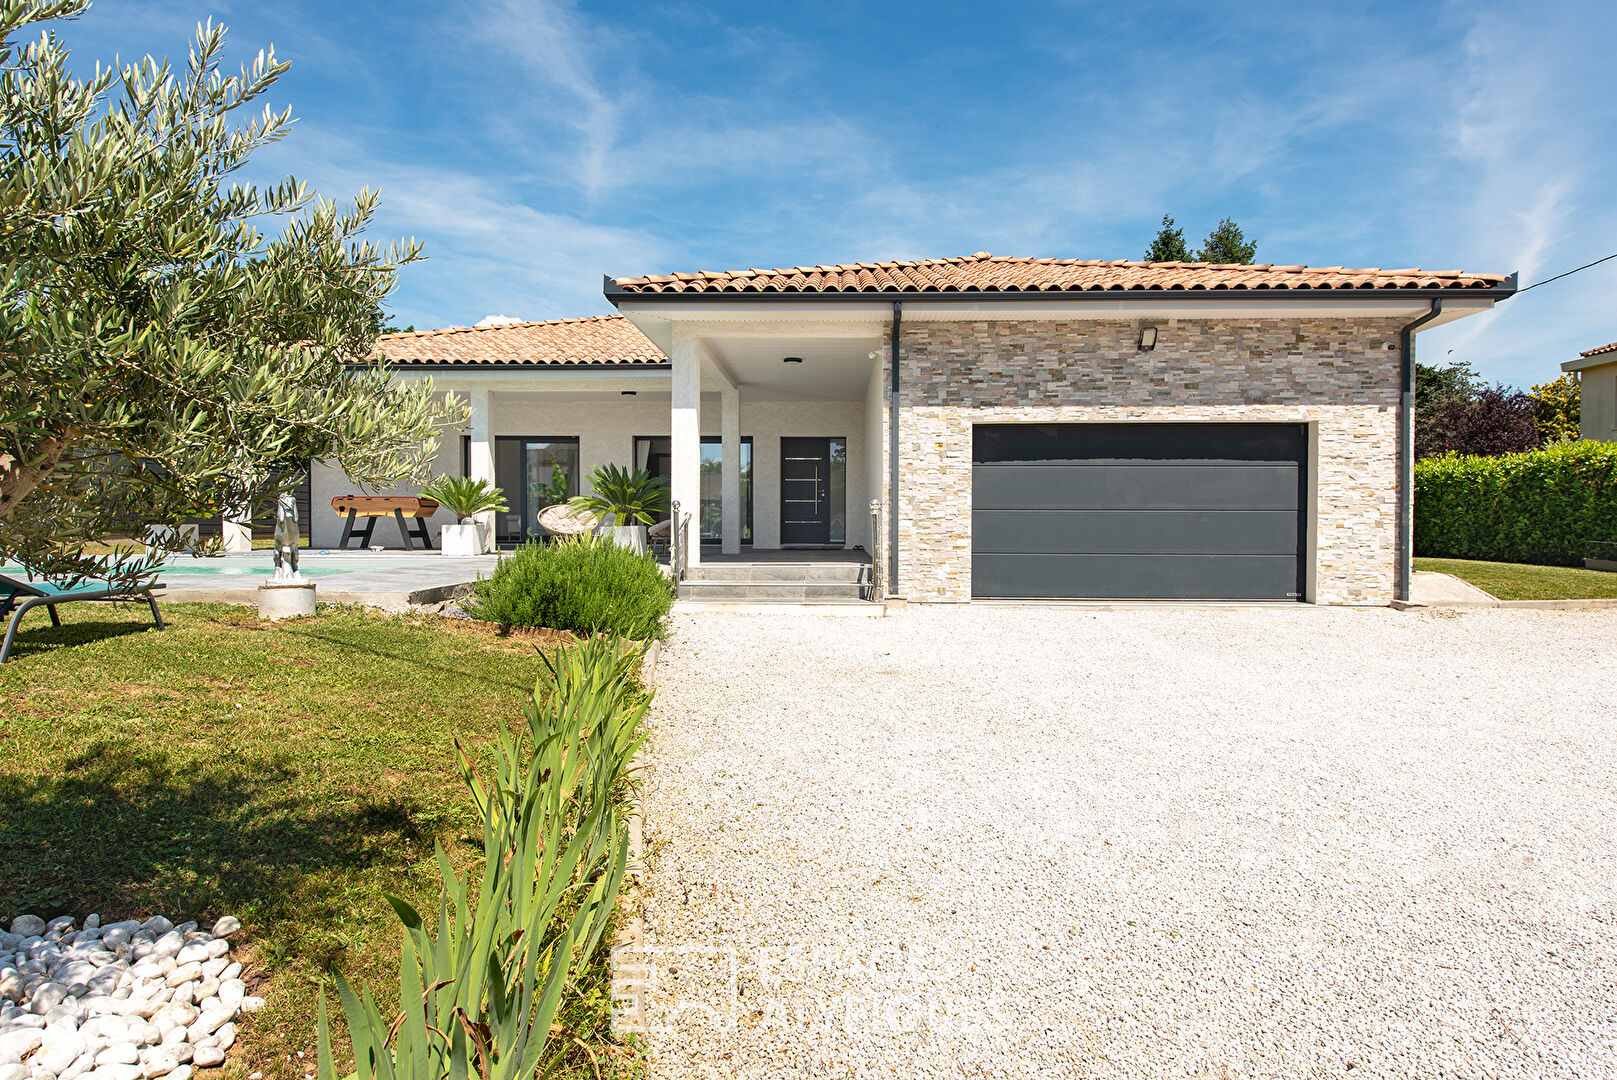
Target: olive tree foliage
<point x="161" y="356"/>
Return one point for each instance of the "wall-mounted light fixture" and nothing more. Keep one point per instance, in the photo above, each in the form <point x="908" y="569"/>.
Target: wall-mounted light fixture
<point x="791" y="359"/>
<point x="1148" y="338"/>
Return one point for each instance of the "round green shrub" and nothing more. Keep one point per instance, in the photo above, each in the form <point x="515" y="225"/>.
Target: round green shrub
<point x="1539" y="507"/>
<point x="585" y="586"/>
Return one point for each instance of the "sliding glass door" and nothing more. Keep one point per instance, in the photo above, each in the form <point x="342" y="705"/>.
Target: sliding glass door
<point x="534" y="472"/>
<point x="653" y="455"/>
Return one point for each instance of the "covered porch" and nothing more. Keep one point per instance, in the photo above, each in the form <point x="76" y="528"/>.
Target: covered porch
<point x="771" y="437"/>
<point x="775" y="433"/>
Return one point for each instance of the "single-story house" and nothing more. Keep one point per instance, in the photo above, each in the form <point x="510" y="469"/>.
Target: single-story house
<point x="1597" y="397"/>
<point x="984" y="427"/>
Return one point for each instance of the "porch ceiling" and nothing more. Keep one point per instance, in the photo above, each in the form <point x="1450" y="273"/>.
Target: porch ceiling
<point x="831" y="367"/>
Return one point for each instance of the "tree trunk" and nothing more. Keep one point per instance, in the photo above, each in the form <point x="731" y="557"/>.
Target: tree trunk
<point x="18" y="479"/>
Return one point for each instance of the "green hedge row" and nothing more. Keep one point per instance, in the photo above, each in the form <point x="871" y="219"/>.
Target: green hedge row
<point x="1535" y="507"/>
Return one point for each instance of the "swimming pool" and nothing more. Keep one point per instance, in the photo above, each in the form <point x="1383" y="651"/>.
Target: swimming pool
<point x="191" y="568"/>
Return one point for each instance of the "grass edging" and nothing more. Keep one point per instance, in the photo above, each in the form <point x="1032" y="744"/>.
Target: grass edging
<point x="1525" y="585"/>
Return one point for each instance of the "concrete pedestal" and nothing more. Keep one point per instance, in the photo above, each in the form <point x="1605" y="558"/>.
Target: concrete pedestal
<point x="285" y="601"/>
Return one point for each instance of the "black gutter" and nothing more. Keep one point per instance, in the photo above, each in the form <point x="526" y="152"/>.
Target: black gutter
<point x="618" y="295"/>
<point x="1406" y="451"/>
<point x="892" y="453"/>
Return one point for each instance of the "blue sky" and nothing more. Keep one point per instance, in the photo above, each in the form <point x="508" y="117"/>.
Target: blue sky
<point x="534" y="146"/>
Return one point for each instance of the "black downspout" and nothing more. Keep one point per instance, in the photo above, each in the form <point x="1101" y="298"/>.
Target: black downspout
<point x="1406" y="453"/>
<point x="892" y="454"/>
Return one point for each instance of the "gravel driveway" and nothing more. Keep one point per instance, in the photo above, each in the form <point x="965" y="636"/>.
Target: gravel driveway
<point x="1242" y="842"/>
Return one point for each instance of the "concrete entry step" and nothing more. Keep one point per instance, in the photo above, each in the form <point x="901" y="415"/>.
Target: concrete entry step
<point x="774" y="573"/>
<point x="692" y="589"/>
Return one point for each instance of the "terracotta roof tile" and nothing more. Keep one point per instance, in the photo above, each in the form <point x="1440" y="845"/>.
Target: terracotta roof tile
<point x="1603" y="349"/>
<point x="603" y="340"/>
<point x="983" y="272"/>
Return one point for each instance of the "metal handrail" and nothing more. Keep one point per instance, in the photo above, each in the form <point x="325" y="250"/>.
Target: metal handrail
<point x="678" y="544"/>
<point x="877" y="575"/>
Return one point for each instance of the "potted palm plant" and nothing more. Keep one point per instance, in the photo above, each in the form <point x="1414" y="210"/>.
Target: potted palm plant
<point x="465" y="498"/>
<point x="634" y="499"/>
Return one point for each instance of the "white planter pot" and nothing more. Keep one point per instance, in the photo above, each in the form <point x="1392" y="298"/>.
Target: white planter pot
<point x="162" y="539"/>
<point x="463" y="539"/>
<point x="632" y="537"/>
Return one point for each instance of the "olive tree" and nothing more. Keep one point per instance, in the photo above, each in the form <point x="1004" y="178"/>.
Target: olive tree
<point x="162" y="355"/>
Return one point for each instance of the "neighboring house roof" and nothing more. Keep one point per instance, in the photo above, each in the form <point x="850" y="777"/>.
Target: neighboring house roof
<point x="600" y="340"/>
<point x="1606" y="354"/>
<point x="985" y="273"/>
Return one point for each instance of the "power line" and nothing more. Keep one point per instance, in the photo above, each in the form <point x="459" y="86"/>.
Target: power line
<point x="1569" y="273"/>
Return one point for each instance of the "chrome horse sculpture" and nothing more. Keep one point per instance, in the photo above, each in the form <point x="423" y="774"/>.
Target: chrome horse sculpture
<point x="286" y="541"/>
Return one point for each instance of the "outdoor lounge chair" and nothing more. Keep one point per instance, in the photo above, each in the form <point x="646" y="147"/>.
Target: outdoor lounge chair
<point x="659" y="537"/>
<point x="18" y="596"/>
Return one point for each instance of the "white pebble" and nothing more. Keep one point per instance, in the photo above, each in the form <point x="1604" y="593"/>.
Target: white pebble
<point x="116" y="1072"/>
<point x="81" y="1065"/>
<point x="15" y="1045"/>
<point x="204" y="1057"/>
<point x="196" y="952"/>
<point x="119" y="1053"/>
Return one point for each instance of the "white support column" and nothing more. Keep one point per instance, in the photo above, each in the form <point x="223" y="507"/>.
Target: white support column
<point x="685" y="436"/>
<point x="481" y="459"/>
<point x="730" y="471"/>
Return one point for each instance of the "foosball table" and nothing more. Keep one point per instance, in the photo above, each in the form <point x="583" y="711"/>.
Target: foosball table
<point x="414" y="509"/>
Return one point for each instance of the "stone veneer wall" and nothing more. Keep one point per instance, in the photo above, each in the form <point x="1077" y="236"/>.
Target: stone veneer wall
<point x="1338" y="375"/>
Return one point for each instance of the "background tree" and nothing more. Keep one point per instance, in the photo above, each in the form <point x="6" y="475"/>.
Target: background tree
<point x="1558" y="404"/>
<point x="160" y="357"/>
<point x="1435" y="389"/>
<point x="1457" y="413"/>
<point x="1227" y="244"/>
<point x="1498" y="420"/>
<point x="1169" y="244"/>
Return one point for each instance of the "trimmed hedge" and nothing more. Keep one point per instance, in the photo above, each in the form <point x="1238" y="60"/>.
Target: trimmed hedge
<point x="586" y="586"/>
<point x="1534" y="507"/>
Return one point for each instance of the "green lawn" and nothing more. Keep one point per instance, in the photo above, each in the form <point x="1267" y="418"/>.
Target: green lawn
<point x="1514" y="581"/>
<point x="288" y="774"/>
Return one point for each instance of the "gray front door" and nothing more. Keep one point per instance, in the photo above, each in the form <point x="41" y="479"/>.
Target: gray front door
<point x="1138" y="511"/>
<point x="805" y="491"/>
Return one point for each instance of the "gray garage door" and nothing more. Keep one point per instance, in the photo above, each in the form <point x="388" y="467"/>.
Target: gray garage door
<point x="1138" y="511"/>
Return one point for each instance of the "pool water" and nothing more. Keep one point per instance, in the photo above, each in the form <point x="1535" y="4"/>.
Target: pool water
<point x="310" y="565"/>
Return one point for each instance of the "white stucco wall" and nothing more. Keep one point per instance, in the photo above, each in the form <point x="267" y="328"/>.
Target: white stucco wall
<point x="606" y="427"/>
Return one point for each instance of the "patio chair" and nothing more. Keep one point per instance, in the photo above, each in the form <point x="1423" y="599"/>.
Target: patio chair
<point x="17" y="596"/>
<point x="562" y="520"/>
<point x="659" y="537"/>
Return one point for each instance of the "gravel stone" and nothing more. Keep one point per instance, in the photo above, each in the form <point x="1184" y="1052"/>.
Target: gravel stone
<point x="1143" y="842"/>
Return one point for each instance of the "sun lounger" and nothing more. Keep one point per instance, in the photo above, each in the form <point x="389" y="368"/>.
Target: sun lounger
<point x="18" y="596"/>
